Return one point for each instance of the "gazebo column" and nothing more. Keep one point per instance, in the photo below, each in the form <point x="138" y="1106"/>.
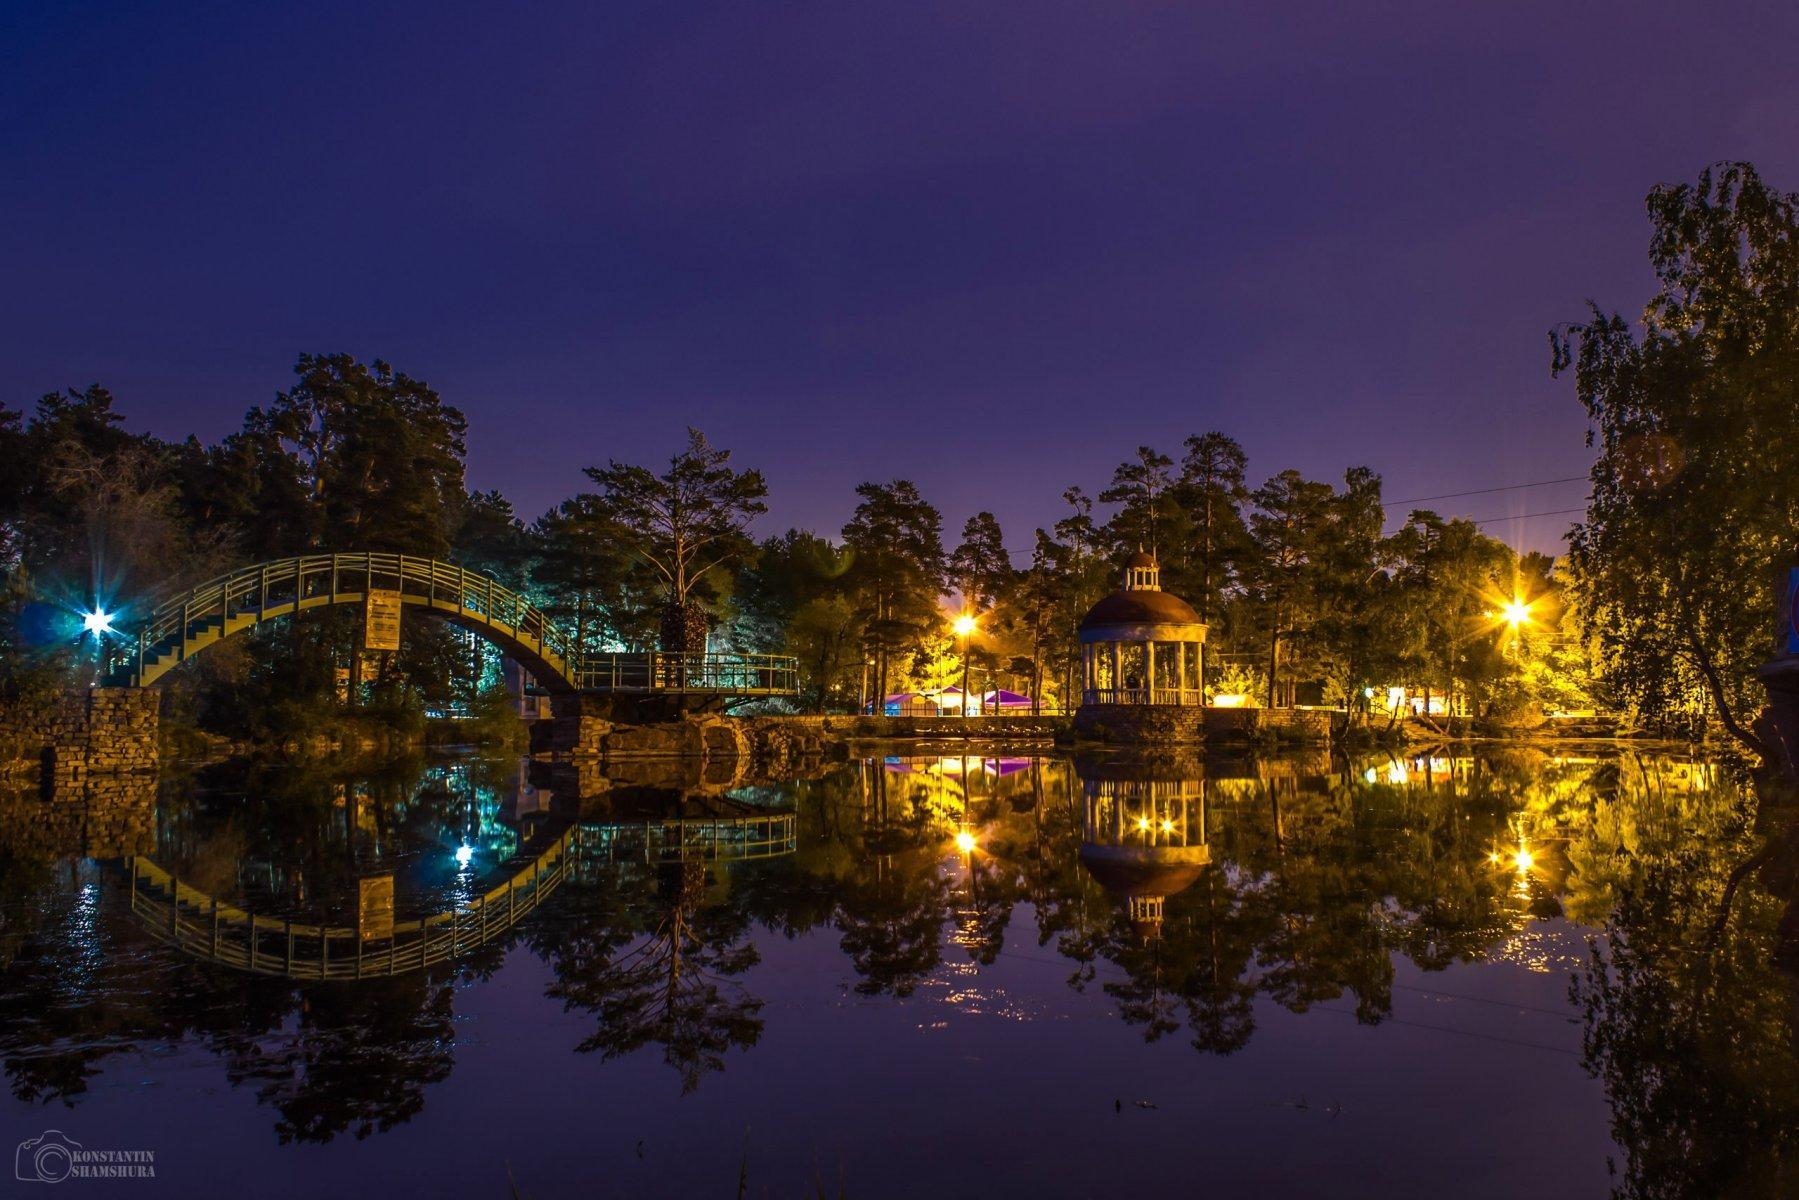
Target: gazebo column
<point x="1149" y="672"/>
<point x="1117" y="669"/>
<point x="1180" y="672"/>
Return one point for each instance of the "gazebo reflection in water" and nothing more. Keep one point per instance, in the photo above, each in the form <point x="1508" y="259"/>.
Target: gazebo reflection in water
<point x="1143" y="835"/>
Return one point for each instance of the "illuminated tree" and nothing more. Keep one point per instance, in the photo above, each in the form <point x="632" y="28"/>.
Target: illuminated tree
<point x="1692" y="511"/>
<point x="896" y="571"/>
<point x="685" y="523"/>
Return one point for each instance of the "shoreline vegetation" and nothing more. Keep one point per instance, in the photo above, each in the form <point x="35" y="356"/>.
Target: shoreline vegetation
<point x="362" y="740"/>
<point x="1316" y="594"/>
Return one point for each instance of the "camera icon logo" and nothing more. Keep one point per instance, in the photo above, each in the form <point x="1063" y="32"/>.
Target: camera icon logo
<point x="46" y="1158"/>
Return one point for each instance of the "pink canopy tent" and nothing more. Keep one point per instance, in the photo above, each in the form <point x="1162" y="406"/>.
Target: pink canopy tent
<point x="949" y="700"/>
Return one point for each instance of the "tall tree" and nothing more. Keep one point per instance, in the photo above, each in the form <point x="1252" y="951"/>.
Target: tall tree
<point x="1448" y="578"/>
<point x="980" y="568"/>
<point x="1212" y="490"/>
<point x="794" y="599"/>
<point x="1038" y="602"/>
<point x="1351" y="634"/>
<point x="587" y="578"/>
<point x="686" y="523"/>
<point x="1140" y="486"/>
<point x="1693" y="509"/>
<point x="378" y="454"/>
<point x="491" y="539"/>
<point x="1287" y="523"/>
<point x="897" y="569"/>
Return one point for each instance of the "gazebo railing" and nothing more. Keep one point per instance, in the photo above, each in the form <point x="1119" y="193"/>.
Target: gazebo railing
<point x="1179" y="697"/>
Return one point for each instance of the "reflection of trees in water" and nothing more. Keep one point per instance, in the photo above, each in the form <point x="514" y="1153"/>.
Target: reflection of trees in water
<point x="356" y="1059"/>
<point x="1318" y="881"/>
<point x="1691" y="1027"/>
<point x="891" y="912"/>
<point x="671" y="985"/>
<point x="294" y="841"/>
<point x="328" y="1058"/>
<point x="1316" y="884"/>
<point x="86" y="984"/>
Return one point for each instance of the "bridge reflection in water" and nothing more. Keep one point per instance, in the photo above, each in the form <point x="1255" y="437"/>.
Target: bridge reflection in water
<point x="205" y="927"/>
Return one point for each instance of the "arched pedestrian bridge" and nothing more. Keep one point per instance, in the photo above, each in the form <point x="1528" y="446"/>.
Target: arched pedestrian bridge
<point x="207" y="928"/>
<point x="183" y="625"/>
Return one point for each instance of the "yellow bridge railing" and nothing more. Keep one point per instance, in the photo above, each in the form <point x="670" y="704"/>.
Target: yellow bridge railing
<point x="183" y="625"/>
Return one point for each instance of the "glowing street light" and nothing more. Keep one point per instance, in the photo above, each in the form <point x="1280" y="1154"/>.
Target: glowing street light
<point x="1516" y="612"/>
<point x="97" y="622"/>
<point x="964" y="625"/>
<point x="965" y="842"/>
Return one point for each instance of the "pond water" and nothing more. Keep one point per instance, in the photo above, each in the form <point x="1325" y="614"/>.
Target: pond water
<point x="1007" y="973"/>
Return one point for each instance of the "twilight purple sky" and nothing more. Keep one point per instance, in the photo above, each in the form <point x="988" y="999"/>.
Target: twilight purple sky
<point x="989" y="246"/>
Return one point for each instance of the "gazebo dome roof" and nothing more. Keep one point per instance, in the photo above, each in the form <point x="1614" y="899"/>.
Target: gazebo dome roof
<point x="1140" y="559"/>
<point x="1163" y="871"/>
<point x="1139" y="608"/>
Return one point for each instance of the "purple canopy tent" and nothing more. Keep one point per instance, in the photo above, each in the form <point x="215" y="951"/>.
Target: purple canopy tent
<point x="910" y="704"/>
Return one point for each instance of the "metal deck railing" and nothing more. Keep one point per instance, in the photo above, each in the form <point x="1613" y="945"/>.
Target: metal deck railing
<point x="183" y="625"/>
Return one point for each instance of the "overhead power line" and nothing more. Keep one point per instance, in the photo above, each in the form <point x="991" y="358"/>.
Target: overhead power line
<point x="1559" y="512"/>
<point x="1510" y="487"/>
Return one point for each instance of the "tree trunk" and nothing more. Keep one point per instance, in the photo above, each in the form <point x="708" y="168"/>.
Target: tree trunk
<point x="1274" y="658"/>
<point x="1715" y="686"/>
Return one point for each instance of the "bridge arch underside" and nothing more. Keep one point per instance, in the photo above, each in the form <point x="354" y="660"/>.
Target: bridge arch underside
<point x="206" y="630"/>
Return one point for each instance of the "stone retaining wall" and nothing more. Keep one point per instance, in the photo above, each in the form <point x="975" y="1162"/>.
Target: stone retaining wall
<point x="1263" y="724"/>
<point x="1140" y="724"/>
<point x="92" y="732"/>
<point x="1145" y="724"/>
<point x="1021" y="727"/>
<point x="582" y="728"/>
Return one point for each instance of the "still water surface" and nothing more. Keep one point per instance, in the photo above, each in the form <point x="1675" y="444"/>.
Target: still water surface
<point x="1003" y="974"/>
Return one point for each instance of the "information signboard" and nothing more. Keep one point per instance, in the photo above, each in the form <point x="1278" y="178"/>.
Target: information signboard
<point x="375" y="907"/>
<point x="381" y="630"/>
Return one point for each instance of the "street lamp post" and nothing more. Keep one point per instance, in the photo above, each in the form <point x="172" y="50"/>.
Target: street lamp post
<point x="964" y="626"/>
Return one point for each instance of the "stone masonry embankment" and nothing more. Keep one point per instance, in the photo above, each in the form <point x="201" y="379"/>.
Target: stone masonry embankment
<point x="79" y="734"/>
